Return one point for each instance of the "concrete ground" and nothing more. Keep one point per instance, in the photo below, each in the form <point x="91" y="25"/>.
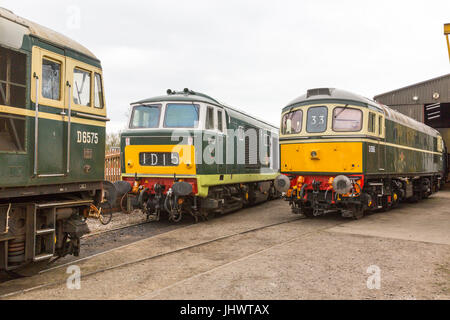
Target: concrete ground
<point x="265" y="252"/>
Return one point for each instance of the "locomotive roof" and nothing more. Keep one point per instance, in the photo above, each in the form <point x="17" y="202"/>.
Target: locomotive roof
<point x="41" y="32"/>
<point x="332" y="94"/>
<point x="193" y="96"/>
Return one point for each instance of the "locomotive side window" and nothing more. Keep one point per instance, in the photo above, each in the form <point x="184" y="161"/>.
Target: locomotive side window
<point x="395" y="134"/>
<point x="82" y="87"/>
<point x="179" y="115"/>
<point x="51" y="79"/>
<point x="209" y="124"/>
<point x="317" y="119"/>
<point x="347" y="119"/>
<point x="220" y="120"/>
<point x="380" y="125"/>
<point x="292" y="122"/>
<point x="371" y="124"/>
<point x="98" y="92"/>
<point x="13" y="70"/>
<point x="12" y="133"/>
<point x="146" y="116"/>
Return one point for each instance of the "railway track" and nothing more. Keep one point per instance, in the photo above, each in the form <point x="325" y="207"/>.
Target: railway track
<point x="105" y="240"/>
<point x="25" y="289"/>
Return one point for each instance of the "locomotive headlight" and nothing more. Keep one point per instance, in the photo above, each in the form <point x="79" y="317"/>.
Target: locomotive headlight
<point x="315" y="154"/>
<point x="130" y="164"/>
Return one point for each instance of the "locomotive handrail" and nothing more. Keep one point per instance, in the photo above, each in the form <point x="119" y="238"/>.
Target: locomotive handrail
<point x="68" y="126"/>
<point x="85" y="115"/>
<point x="36" y="123"/>
<point x="7" y="219"/>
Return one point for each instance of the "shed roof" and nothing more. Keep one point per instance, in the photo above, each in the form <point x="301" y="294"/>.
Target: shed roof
<point x="423" y="90"/>
<point x="45" y="34"/>
<point x="321" y="94"/>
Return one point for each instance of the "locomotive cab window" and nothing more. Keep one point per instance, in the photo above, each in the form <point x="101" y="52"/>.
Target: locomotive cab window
<point x="380" y="125"/>
<point x="316" y="119"/>
<point x="82" y="87"/>
<point x="209" y="123"/>
<point x="98" y="92"/>
<point x="292" y="122"/>
<point x="347" y="119"/>
<point x="220" y="120"/>
<point x="180" y="115"/>
<point x="51" y="79"/>
<point x="371" y="124"/>
<point x="146" y="116"/>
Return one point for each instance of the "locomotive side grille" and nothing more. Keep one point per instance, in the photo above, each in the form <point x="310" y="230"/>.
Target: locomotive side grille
<point x="252" y="150"/>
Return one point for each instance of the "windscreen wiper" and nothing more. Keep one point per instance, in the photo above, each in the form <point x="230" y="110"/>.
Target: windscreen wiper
<point x="345" y="107"/>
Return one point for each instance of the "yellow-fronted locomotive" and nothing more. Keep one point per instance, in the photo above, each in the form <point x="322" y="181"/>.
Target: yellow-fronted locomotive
<point x="341" y="151"/>
<point x="187" y="153"/>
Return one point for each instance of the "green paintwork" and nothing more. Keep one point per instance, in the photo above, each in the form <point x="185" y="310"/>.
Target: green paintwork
<point x="207" y="174"/>
<point x="16" y="169"/>
<point x="395" y="159"/>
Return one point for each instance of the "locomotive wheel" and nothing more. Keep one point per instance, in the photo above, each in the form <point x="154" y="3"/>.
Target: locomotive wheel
<point x="395" y="200"/>
<point x="176" y="217"/>
<point x="123" y="204"/>
<point x="307" y="212"/>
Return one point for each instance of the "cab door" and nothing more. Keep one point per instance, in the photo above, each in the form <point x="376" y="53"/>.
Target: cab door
<point x="221" y="140"/>
<point x="48" y="94"/>
<point x="381" y="145"/>
<point x="216" y="139"/>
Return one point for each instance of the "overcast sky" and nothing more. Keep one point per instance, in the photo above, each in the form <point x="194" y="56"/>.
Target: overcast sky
<point x="254" y="55"/>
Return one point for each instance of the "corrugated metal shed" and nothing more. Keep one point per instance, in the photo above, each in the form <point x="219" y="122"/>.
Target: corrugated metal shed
<point x="424" y="92"/>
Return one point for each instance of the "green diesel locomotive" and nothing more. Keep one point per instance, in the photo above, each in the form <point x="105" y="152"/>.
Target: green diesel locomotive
<point x="185" y="152"/>
<point x="341" y="151"/>
<point x="52" y="142"/>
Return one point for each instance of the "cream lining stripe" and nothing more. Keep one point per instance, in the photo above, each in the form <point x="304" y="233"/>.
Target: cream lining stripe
<point x="359" y="140"/>
<point x="50" y="116"/>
